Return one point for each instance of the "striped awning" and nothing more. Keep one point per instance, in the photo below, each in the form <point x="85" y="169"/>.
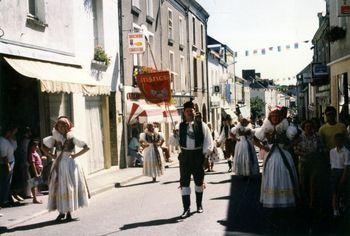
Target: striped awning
<point x="144" y="112"/>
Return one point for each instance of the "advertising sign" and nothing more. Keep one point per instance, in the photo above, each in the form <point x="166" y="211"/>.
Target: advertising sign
<point x="319" y="70"/>
<point x="136" y="42"/>
<point x="344" y="8"/>
<point x="155" y="86"/>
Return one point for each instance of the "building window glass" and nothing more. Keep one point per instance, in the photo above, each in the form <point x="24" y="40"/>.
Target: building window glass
<point x="181" y="31"/>
<point x="195" y="79"/>
<point x="194" y="30"/>
<point x="172" y="69"/>
<point x="182" y="71"/>
<point x="202" y="72"/>
<point x="202" y="37"/>
<point x="136" y="3"/>
<point x="170" y="24"/>
<point x="31" y="6"/>
<point x="149" y="7"/>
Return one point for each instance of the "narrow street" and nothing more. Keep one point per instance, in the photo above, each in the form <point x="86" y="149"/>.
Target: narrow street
<point x="143" y="208"/>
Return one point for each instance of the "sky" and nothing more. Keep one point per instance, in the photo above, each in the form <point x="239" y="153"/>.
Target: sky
<point x="258" y="24"/>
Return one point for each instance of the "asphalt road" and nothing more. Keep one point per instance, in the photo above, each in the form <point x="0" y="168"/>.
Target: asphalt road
<point x="144" y="208"/>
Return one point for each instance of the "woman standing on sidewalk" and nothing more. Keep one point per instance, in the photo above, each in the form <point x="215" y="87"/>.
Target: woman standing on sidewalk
<point x="67" y="186"/>
<point x="151" y="141"/>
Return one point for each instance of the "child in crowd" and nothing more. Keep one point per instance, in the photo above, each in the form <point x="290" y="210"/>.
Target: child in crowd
<point x="35" y="167"/>
<point x="340" y="161"/>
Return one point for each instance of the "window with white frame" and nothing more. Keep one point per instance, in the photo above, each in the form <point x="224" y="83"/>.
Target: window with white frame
<point x="136" y="3"/>
<point x="37" y="10"/>
<point x="182" y="71"/>
<point x="172" y="68"/>
<point x="194" y="30"/>
<point x="181" y="31"/>
<point x="149" y="7"/>
<point x="170" y="24"/>
<point x="202" y="37"/>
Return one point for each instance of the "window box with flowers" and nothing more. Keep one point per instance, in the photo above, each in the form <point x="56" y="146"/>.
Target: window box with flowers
<point x="101" y="60"/>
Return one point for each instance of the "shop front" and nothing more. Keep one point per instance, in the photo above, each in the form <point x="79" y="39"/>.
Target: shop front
<point x="33" y="93"/>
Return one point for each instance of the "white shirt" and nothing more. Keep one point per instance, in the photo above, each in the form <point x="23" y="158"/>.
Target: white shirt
<point x="208" y="143"/>
<point x="7" y="148"/>
<point x="339" y="159"/>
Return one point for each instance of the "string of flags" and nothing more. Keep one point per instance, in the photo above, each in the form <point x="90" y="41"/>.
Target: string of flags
<point x="264" y="51"/>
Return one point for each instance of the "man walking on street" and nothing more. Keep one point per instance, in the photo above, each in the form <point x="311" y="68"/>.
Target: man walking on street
<point x="196" y="143"/>
<point x="229" y="143"/>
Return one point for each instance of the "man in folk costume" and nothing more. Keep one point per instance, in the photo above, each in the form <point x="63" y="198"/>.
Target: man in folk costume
<point x="196" y="143"/>
<point x="229" y="143"/>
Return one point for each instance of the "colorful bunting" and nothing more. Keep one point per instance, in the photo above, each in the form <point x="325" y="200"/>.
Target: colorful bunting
<point x="264" y="51"/>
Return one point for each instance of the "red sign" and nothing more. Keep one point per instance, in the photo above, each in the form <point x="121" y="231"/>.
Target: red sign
<point x="345" y="9"/>
<point x="155" y="86"/>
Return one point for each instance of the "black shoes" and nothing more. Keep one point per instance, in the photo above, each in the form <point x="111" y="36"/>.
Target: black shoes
<point x="186" y="214"/>
<point x="69" y="217"/>
<point x="199" y="209"/>
<point x="59" y="217"/>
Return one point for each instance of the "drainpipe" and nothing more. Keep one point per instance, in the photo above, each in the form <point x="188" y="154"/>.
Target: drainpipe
<point x="123" y="149"/>
<point x="189" y="49"/>
<point x="206" y="65"/>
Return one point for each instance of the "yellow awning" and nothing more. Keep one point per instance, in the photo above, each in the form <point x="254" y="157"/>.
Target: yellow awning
<point x="56" y="78"/>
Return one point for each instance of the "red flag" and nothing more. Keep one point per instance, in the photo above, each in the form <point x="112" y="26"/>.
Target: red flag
<point x="155" y="86"/>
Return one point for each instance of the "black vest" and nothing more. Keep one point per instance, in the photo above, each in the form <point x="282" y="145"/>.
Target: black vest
<point x="198" y="134"/>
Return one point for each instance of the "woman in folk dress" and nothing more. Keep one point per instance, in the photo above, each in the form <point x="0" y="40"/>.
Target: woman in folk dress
<point x="279" y="187"/>
<point x="151" y="141"/>
<point x="245" y="162"/>
<point x="67" y="186"/>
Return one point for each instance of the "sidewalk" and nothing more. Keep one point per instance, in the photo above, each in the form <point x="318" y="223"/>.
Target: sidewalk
<point x="99" y="182"/>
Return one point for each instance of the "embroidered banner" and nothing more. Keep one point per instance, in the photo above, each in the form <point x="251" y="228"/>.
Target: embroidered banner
<point x="155" y="86"/>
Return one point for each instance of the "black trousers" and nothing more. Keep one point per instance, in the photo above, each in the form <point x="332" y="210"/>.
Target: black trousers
<point x="191" y="163"/>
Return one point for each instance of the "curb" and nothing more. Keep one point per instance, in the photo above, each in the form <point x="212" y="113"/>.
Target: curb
<point x="93" y="193"/>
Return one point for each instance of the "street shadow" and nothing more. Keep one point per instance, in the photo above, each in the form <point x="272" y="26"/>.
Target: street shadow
<point x="32" y="226"/>
<point x="118" y="185"/>
<point x="215" y="173"/>
<point x="171" y="182"/>
<point x="245" y="211"/>
<point x="221" y="182"/>
<point x="221" y="198"/>
<point x="173" y="220"/>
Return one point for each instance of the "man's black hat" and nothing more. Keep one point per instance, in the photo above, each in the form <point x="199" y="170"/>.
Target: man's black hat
<point x="188" y="104"/>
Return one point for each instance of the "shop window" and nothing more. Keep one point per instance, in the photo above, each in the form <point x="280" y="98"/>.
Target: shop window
<point x="343" y="96"/>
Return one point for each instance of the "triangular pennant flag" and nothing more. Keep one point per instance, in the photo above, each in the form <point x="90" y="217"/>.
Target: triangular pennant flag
<point x="279" y="48"/>
<point x="263" y="51"/>
<point x="287" y="46"/>
<point x="270" y="48"/>
<point x="246" y="53"/>
<point x="255" y="51"/>
<point x="296" y="45"/>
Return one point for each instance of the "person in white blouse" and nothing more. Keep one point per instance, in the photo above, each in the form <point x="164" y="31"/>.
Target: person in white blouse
<point x="8" y="145"/>
<point x="196" y="143"/>
<point x="67" y="188"/>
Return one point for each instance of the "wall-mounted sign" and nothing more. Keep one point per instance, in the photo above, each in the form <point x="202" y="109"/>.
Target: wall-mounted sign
<point x="155" y="86"/>
<point x="136" y="42"/>
<point x="319" y="70"/>
<point x="344" y="8"/>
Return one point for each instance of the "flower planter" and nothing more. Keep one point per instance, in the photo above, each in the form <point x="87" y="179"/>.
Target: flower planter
<point x="99" y="65"/>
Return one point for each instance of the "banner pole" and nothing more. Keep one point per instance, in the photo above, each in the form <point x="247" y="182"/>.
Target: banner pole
<point x="150" y="49"/>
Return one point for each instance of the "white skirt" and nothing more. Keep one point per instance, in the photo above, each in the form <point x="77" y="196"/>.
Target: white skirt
<point x="151" y="166"/>
<point x="277" y="190"/>
<point x="67" y="189"/>
<point x="242" y="164"/>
